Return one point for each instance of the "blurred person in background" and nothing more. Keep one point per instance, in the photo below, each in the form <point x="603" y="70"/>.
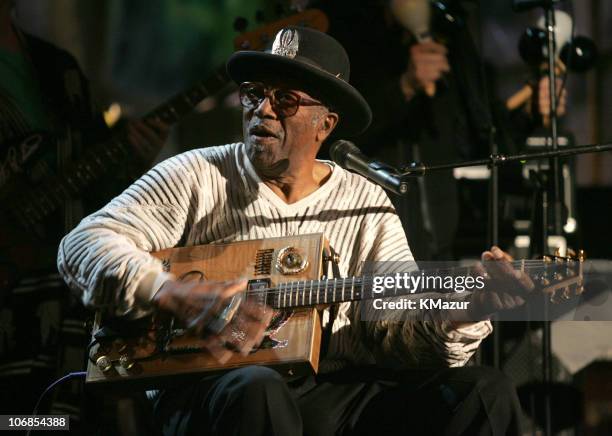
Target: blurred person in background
<point x="432" y="102"/>
<point x="44" y="92"/>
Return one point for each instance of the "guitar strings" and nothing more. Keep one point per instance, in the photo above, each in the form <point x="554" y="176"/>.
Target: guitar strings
<point x="335" y="285"/>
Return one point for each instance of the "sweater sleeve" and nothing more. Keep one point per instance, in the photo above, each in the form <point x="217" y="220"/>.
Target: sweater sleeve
<point x="106" y="259"/>
<point x="400" y="343"/>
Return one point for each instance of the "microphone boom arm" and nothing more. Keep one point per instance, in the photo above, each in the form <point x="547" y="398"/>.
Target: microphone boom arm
<point x="417" y="169"/>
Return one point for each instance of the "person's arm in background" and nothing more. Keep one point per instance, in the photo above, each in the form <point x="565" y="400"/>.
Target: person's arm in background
<point x="378" y="59"/>
<point x="390" y="72"/>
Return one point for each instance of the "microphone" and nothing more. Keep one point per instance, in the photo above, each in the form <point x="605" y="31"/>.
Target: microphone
<point x="348" y="156"/>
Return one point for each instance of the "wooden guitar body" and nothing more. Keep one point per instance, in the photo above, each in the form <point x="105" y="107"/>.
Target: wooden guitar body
<point x="134" y="356"/>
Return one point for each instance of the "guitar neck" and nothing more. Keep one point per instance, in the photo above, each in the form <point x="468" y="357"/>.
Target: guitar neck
<point x="99" y="159"/>
<point x="181" y="104"/>
<point x="329" y="291"/>
<point x="308" y="293"/>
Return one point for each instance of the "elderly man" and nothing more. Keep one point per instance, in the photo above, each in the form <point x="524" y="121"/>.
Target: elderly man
<point x="272" y="185"/>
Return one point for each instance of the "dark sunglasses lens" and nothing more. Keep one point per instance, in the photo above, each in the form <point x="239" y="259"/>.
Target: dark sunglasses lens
<point x="286" y="103"/>
<point x="251" y="94"/>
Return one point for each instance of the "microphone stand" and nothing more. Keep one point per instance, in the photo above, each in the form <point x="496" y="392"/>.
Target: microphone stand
<point x="415" y="169"/>
<point x="493" y="161"/>
<point x="554" y="164"/>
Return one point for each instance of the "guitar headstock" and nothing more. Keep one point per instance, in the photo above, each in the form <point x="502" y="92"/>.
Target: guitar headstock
<point x="561" y="277"/>
<point x="259" y="38"/>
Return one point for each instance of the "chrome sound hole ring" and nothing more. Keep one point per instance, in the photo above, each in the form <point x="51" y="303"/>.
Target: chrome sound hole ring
<point x="290" y="260"/>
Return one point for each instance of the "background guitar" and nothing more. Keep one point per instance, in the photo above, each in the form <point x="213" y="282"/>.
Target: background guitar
<point x="27" y="205"/>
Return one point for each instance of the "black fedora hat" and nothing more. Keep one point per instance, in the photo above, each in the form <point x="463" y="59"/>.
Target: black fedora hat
<point x="314" y="61"/>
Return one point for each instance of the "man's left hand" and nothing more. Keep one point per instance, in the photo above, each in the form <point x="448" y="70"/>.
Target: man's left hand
<point x="544" y="98"/>
<point x="505" y="288"/>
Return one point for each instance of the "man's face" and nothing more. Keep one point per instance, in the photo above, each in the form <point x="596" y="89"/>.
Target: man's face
<point x="274" y="138"/>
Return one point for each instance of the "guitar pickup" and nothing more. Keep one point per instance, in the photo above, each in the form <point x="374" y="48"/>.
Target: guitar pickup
<point x="258" y="285"/>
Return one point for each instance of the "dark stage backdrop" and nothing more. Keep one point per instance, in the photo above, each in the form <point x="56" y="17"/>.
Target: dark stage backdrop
<point x="139" y="52"/>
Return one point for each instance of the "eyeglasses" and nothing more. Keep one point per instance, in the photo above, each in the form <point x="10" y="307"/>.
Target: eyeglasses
<point x="285" y="103"/>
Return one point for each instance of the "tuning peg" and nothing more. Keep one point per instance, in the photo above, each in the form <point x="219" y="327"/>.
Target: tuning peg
<point x="240" y="24"/>
<point x="581" y="255"/>
<point x="260" y="16"/>
<point x="567" y="294"/>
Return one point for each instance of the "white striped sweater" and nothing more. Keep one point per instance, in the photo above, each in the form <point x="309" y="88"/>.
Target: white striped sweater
<point x="214" y="195"/>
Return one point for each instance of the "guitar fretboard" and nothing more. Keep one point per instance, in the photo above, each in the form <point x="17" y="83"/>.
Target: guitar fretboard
<point x="307" y="293"/>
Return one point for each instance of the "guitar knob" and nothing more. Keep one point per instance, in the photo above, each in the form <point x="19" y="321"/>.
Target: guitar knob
<point x="126" y="362"/>
<point x="103" y="363"/>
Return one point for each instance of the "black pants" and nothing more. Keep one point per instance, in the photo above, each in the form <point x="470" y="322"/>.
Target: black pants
<point x="365" y="401"/>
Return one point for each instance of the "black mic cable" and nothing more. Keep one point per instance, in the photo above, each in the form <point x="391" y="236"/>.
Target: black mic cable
<point x="51" y="386"/>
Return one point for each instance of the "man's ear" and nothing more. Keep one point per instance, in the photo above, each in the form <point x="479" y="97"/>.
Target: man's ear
<point x="328" y="124"/>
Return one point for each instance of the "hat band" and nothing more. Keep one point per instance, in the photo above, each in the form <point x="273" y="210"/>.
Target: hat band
<point x="308" y="61"/>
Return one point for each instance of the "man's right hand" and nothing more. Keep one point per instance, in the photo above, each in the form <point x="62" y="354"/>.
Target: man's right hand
<point x="428" y="63"/>
<point x="199" y="304"/>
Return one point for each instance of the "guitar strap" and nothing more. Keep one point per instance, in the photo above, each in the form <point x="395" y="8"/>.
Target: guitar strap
<point x="335" y="269"/>
<point x="66" y="150"/>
